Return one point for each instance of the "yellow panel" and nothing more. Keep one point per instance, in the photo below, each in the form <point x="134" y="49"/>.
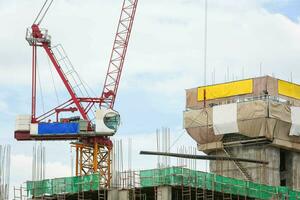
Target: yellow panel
<point x="226" y="90"/>
<point x="289" y="89"/>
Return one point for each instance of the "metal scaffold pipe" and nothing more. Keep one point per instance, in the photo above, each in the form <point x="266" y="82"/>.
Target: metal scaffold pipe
<point x="204" y="157"/>
<point x="4" y="171"/>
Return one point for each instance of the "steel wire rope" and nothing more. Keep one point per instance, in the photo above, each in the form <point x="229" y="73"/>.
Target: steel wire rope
<point x="45" y="11"/>
<point x="205" y="40"/>
<point x="40" y="87"/>
<point x="92" y="92"/>
<point x="68" y="64"/>
<point x="205" y="56"/>
<point x="40" y="12"/>
<point x="53" y="82"/>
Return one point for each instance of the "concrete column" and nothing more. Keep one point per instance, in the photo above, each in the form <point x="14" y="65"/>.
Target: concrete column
<point x="164" y="193"/>
<point x="295" y="171"/>
<point x="124" y="194"/>
<point x="268" y="174"/>
<point x="113" y="194"/>
<point x="116" y="194"/>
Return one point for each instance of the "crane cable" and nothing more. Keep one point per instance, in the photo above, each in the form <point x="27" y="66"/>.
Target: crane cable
<point x="53" y="82"/>
<point x="205" y="40"/>
<point x="41" y="89"/>
<point x="40" y="12"/>
<point x="45" y="12"/>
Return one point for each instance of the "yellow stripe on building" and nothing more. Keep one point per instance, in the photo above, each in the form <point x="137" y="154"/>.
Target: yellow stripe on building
<point x="289" y="89"/>
<point x="226" y="90"/>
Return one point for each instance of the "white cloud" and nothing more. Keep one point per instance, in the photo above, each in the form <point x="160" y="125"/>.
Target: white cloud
<point x="3" y="106"/>
<point x="21" y="163"/>
<point x="21" y="170"/>
<point x="57" y="169"/>
<point x="242" y="34"/>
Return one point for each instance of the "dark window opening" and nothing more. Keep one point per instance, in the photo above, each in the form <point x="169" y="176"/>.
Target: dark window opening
<point x="283" y="167"/>
<point x="282" y="160"/>
<point x="283" y="182"/>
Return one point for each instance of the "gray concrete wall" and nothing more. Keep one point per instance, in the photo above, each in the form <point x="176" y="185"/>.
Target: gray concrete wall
<point x="124" y="194"/>
<point x="116" y="194"/>
<point x="164" y="193"/>
<point x="268" y="174"/>
<point x="113" y="194"/>
<point x="293" y="170"/>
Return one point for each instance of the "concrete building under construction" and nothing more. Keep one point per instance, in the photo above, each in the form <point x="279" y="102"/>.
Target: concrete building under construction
<point x="255" y="118"/>
<point x="233" y="123"/>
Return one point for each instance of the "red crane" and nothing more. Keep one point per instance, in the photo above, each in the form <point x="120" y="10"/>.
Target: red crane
<point x="93" y="145"/>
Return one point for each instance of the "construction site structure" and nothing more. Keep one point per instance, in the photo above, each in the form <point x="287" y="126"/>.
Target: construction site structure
<point x="171" y="183"/>
<point x="256" y="118"/>
<point x="91" y="120"/>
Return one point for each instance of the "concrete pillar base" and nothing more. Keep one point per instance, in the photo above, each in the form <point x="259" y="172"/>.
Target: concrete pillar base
<point x="164" y="193"/>
<point x="112" y="194"/>
<point x="115" y="194"/>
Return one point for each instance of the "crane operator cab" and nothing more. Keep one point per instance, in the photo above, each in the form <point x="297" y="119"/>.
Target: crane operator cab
<point x="107" y="122"/>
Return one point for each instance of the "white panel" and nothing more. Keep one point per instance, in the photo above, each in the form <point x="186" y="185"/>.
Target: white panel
<point x="225" y="119"/>
<point x="34" y="129"/>
<point x="295" y="117"/>
<point x="18" y="123"/>
<point x="23" y="117"/>
<point x="22" y="127"/>
<point x="23" y="123"/>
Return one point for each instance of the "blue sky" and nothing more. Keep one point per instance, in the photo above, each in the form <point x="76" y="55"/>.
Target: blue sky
<point x="164" y="58"/>
<point x="289" y="8"/>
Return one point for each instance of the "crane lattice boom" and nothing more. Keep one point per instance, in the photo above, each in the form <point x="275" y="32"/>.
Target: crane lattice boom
<point x="118" y="53"/>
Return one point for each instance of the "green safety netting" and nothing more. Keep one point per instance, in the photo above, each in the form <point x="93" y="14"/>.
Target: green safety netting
<point x="62" y="185"/>
<point x="174" y="176"/>
<point x="177" y="176"/>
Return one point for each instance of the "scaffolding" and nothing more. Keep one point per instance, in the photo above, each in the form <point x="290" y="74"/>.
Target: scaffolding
<point x="193" y="181"/>
<point x="192" y="184"/>
<point x="67" y="185"/>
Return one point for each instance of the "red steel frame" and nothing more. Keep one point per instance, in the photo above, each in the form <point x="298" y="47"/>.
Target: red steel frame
<point x="37" y="34"/>
<point x="33" y="84"/>
<point x="118" y="53"/>
<point x="101" y="160"/>
<point x="113" y="75"/>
